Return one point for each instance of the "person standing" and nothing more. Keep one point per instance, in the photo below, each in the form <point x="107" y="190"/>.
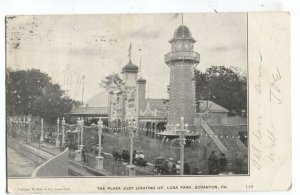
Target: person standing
<point x="213" y="164"/>
<point x="186" y="169"/>
<point x="83" y="153"/>
<point x="222" y="163"/>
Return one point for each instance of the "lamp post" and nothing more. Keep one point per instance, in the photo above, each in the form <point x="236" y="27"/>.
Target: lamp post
<point x="57" y="135"/>
<point x="80" y="147"/>
<point x="81" y="134"/>
<point x="99" y="158"/>
<point x="182" y="129"/>
<point x="78" y="132"/>
<point x="63" y="122"/>
<point x="42" y="131"/>
<point x="131" y="168"/>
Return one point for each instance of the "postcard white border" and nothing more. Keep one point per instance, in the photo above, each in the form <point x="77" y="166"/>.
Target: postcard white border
<point x="9" y="7"/>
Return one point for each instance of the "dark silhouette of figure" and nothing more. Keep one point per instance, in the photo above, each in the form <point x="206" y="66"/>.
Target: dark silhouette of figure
<point x="165" y="170"/>
<point x="83" y="153"/>
<point x="222" y="163"/>
<point x="213" y="164"/>
<point x="186" y="169"/>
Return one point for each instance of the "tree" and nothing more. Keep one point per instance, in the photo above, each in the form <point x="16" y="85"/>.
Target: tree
<point x="32" y="92"/>
<point x="225" y="86"/>
<point x="111" y="80"/>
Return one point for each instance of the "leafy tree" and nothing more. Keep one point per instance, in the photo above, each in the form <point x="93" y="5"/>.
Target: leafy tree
<point x="225" y="86"/>
<point x="111" y="80"/>
<point x="32" y="92"/>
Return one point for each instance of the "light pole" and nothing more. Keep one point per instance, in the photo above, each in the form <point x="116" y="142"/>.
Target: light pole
<point x="80" y="147"/>
<point x="131" y="168"/>
<point x="81" y="134"/>
<point x="57" y="136"/>
<point x="99" y="158"/>
<point x="63" y="122"/>
<point x="42" y="131"/>
<point x="182" y="130"/>
<point x="78" y="133"/>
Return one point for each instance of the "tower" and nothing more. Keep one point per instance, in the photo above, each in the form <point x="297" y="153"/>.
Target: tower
<point x="130" y="72"/>
<point x="140" y="92"/>
<point x="129" y="89"/>
<point x="182" y="60"/>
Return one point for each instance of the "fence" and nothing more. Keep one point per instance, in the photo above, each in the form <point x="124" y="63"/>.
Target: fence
<point x="74" y="135"/>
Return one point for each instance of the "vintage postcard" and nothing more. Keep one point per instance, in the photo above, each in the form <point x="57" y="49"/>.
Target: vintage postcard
<point x="182" y="102"/>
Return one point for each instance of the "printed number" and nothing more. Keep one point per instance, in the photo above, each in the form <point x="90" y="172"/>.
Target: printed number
<point x="249" y="186"/>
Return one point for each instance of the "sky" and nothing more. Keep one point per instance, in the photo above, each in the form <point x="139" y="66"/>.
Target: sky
<point x="68" y="47"/>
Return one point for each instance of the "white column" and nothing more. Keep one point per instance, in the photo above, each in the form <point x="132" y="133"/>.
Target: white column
<point x="57" y="135"/>
<point x="130" y="169"/>
<point x="81" y="134"/>
<point x="63" y="122"/>
<point x="42" y="130"/>
<point x="78" y="151"/>
<point x="182" y="139"/>
<point x="99" y="158"/>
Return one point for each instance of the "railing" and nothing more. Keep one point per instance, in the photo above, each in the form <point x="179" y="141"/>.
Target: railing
<point x="208" y="130"/>
<point x="182" y="55"/>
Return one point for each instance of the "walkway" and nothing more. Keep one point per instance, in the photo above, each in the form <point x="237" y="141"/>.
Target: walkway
<point x="18" y="165"/>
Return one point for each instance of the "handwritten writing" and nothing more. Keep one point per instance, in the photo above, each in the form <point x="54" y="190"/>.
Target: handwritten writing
<point x="274" y="88"/>
<point x="273" y="142"/>
<point x="257" y="150"/>
<point x="257" y="157"/>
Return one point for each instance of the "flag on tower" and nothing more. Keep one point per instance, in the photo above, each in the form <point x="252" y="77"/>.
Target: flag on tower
<point x="129" y="52"/>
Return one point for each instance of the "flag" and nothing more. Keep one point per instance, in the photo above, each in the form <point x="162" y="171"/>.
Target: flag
<point x="129" y="52"/>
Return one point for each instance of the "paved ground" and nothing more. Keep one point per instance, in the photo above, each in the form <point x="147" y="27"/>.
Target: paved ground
<point x="18" y="165"/>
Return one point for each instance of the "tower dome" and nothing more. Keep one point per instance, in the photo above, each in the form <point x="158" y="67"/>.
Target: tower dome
<point x="182" y="32"/>
<point x="130" y="67"/>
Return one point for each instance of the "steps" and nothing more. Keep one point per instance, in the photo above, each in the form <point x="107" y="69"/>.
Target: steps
<point x="229" y="138"/>
<point x="225" y="137"/>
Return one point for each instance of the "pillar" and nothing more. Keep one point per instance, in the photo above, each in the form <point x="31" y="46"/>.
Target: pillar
<point x="81" y="134"/>
<point x="99" y="158"/>
<point x="42" y="130"/>
<point x="57" y="143"/>
<point x="63" y="122"/>
<point x="78" y="151"/>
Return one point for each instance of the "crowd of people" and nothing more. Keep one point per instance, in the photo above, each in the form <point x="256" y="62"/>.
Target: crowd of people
<point x="138" y="157"/>
<point x="217" y="164"/>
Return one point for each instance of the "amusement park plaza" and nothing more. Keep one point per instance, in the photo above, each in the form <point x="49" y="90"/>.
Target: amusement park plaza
<point x="123" y="132"/>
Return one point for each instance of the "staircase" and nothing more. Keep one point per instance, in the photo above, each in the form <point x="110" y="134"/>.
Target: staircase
<point x="225" y="137"/>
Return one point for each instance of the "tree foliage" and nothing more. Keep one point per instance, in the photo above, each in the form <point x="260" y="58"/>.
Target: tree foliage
<point x="225" y="86"/>
<point x="111" y="80"/>
<point x="31" y="92"/>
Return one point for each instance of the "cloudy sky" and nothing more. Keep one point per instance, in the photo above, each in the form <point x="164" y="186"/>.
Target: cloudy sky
<point x="71" y="46"/>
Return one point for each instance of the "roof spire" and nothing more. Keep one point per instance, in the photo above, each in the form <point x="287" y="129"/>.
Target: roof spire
<point x="129" y="52"/>
<point x="140" y="66"/>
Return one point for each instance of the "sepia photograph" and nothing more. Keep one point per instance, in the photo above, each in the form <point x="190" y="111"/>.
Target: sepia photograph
<point x="127" y="95"/>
